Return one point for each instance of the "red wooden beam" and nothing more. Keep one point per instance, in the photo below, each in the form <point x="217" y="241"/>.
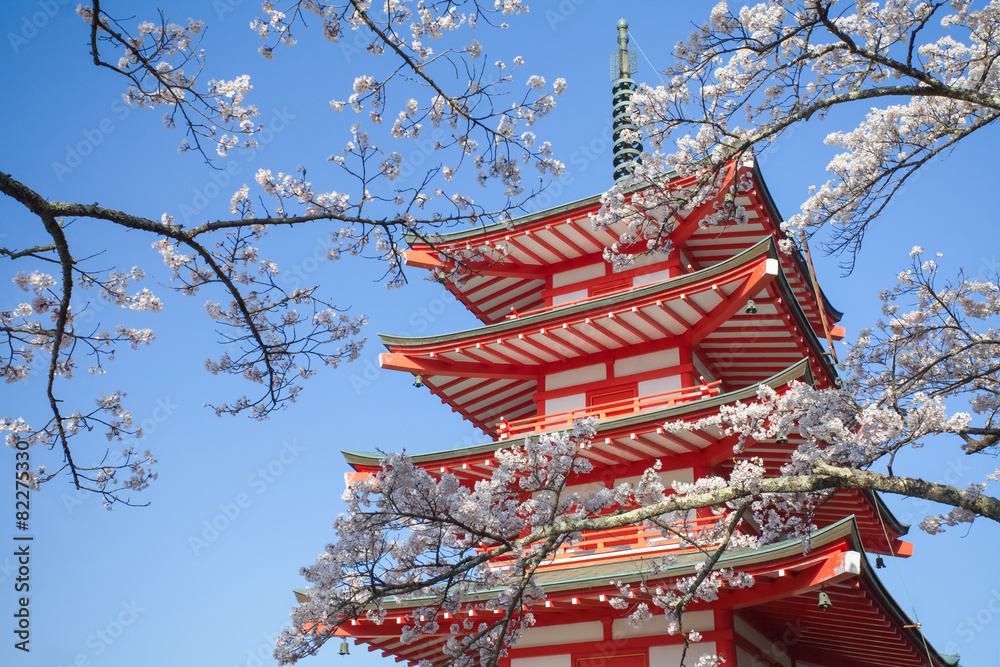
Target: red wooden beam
<point x="638" y="437"/>
<point x="485" y="285"/>
<point x="518" y="396"/>
<point x="476" y="354"/>
<point x="596" y="323"/>
<point x="567" y="328"/>
<point x="545" y="244"/>
<point x="565" y="239"/>
<point x="502" y="356"/>
<point x="520" y="246"/>
<point x="399" y="362"/>
<point x="424" y="260"/>
<point x="468" y="390"/>
<point x="542" y="348"/>
<point x="698" y="309"/>
<point x="497" y="389"/>
<point x="615" y="238"/>
<point x="549" y="335"/>
<point x="597" y="450"/>
<point x="651" y="322"/>
<point x="686" y="446"/>
<point x="506" y="303"/>
<point x="517" y="349"/>
<point x="630" y="328"/>
<point x="763" y="274"/>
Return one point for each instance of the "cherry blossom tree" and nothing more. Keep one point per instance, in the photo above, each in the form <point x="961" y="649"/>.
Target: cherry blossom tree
<point x="273" y="337"/>
<point x="923" y="73"/>
<point x="750" y="75"/>
<point x="408" y="535"/>
<point x="738" y="84"/>
<point x="927" y="369"/>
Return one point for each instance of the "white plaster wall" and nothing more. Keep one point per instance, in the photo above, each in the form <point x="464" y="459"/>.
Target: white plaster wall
<point x="576" y="376"/>
<point x="569" y="296"/>
<point x="670" y="656"/>
<point x="576" y="275"/>
<point x="646" y="260"/>
<point x="693" y="620"/>
<point x="667" y="477"/>
<point x="621" y="629"/>
<point x="562" y="660"/>
<point x="679" y="475"/>
<point x="585" y="489"/>
<point x="563" y="403"/>
<point x="553" y="635"/>
<point x="646" y="362"/>
<point x="650" y="278"/>
<point x="659" y="385"/>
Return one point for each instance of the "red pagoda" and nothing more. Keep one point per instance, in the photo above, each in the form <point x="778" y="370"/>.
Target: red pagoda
<point x="563" y="337"/>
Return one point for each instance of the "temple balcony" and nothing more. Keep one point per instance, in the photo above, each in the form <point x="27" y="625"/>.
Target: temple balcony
<point x="556" y="421"/>
<point x="692" y="534"/>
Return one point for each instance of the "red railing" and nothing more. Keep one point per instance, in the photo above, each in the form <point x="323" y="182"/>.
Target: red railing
<point x="627" y="538"/>
<point x="638" y="537"/>
<point x="557" y="420"/>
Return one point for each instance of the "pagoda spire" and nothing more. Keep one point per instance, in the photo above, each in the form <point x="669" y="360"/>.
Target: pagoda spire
<point x="623" y="65"/>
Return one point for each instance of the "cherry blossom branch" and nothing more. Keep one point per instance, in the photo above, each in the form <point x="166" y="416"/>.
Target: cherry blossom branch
<point x="451" y="581"/>
<point x="66" y="260"/>
<point x="274" y="345"/>
<point x="748" y="77"/>
<point x="205" y="114"/>
<point x="62" y="338"/>
<point x="29" y="252"/>
<point x="706" y="570"/>
<point x="848" y="478"/>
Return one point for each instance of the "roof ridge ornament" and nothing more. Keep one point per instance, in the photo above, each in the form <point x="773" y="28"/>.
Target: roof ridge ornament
<point x="623" y="64"/>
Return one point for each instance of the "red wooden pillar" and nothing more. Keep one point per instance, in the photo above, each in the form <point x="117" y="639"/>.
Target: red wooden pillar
<point x="686" y="360"/>
<point x="725" y="645"/>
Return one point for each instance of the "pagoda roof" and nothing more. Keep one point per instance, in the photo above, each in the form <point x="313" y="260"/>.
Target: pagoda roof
<point x="630" y="443"/>
<point x="763" y="248"/>
<point x="492" y="372"/>
<point x="592" y="202"/>
<point x="864" y="626"/>
<point x="610" y="435"/>
<point x="509" y="262"/>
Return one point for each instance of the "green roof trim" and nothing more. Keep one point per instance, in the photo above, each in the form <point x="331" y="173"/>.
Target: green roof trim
<point x="599" y="574"/>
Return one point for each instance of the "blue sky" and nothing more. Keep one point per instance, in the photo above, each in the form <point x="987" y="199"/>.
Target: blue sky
<point x="204" y="574"/>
